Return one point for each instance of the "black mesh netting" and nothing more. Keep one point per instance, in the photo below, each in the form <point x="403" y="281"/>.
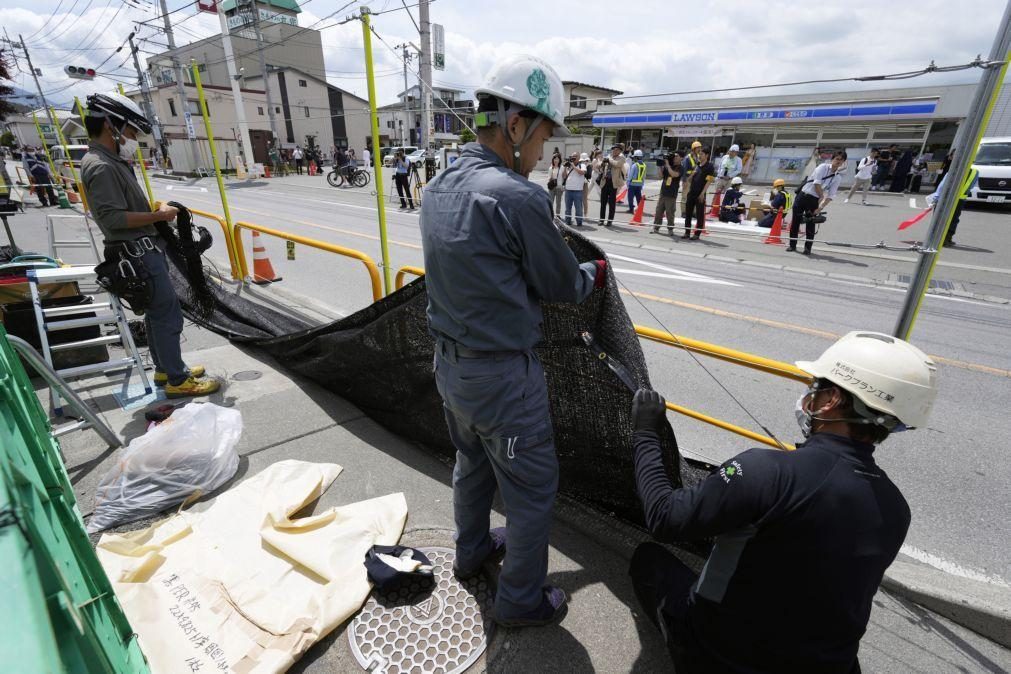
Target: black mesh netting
<point x="380" y="359"/>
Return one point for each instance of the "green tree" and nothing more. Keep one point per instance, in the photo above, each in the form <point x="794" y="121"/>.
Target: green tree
<point x="7" y="139"/>
<point x="6" y="90"/>
<point x="467" y="136"/>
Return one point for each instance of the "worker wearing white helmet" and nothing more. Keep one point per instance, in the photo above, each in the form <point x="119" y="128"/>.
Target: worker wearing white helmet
<point x="802" y="538"/>
<point x="492" y="255"/>
<point x="730" y="167"/>
<point x="636" y="179"/>
<point x="732" y="208"/>
<point x="123" y="213"/>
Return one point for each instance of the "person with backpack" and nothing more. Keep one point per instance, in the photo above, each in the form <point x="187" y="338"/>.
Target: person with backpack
<point x="43" y="180"/>
<point x="865" y="173"/>
<point x="636" y="179"/>
<point x="814" y="195"/>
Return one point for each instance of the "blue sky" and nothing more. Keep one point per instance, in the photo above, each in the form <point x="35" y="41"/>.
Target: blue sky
<point x="659" y="46"/>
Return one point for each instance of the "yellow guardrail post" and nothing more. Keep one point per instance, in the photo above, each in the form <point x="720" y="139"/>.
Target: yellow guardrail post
<point x="370" y="264"/>
<point x="374" y="118"/>
<point x="45" y="148"/>
<point x="778" y="368"/>
<point x="210" y="141"/>
<point x="229" y="241"/>
<point x="143" y="169"/>
<point x="70" y="160"/>
<point x="417" y="271"/>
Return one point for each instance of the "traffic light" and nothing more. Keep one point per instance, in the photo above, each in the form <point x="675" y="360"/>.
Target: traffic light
<point x="79" y="73"/>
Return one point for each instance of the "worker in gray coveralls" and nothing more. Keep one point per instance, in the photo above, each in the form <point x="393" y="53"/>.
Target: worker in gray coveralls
<point x="492" y="255"/>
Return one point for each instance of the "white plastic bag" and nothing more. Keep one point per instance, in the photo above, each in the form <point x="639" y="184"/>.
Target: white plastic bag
<point x="193" y="450"/>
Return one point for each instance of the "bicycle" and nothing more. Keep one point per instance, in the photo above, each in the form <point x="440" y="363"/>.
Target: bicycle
<point x="356" y="177"/>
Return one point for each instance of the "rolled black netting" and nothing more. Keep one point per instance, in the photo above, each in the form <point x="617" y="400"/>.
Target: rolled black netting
<point x="380" y="359"/>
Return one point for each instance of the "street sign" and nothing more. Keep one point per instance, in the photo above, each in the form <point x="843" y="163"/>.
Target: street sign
<point x="191" y="133"/>
<point x="438" y="47"/>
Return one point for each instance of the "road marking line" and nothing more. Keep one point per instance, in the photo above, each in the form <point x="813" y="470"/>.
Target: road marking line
<point x="405" y="244"/>
<point x="676" y="277"/>
<point x="185" y="188"/>
<point x="824" y="334"/>
<point x="951" y="567"/>
<point x="912" y="202"/>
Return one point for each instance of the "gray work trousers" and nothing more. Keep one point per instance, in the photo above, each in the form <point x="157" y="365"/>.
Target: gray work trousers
<point x="499" y="421"/>
<point x="164" y="319"/>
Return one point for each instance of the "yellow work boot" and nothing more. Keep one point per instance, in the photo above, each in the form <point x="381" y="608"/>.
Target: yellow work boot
<point x="192" y="387"/>
<point x="161" y="378"/>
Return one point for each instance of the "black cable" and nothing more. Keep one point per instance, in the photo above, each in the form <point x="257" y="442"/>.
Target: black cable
<point x="51" y="17"/>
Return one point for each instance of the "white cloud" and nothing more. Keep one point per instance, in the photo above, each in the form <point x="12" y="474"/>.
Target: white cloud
<point x="652" y="47"/>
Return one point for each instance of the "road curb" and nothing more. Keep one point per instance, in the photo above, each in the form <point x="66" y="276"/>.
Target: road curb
<point x="984" y="608"/>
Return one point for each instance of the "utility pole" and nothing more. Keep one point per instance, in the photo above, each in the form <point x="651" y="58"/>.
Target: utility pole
<point x="145" y="92"/>
<point x="427" y="126"/>
<point x="406" y="132"/>
<point x="42" y="97"/>
<point x="180" y="87"/>
<point x="240" y="108"/>
<point x="263" y="71"/>
<point x="966" y="144"/>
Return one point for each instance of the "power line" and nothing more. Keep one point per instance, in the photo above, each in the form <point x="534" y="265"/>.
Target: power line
<point x="53" y="37"/>
<point x="51" y="17"/>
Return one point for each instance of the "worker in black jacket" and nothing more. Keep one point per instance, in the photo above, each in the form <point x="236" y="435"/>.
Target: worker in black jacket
<point x="802" y="538"/>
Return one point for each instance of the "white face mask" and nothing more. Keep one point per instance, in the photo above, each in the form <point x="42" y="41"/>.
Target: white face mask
<point x="128" y="149"/>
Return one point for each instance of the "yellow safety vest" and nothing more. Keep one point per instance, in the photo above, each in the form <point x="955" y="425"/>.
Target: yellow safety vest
<point x="638" y="172"/>
<point x="970" y="179"/>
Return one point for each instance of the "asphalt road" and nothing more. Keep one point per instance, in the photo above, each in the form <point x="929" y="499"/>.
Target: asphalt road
<point x="953" y="473"/>
<point x="756" y="298"/>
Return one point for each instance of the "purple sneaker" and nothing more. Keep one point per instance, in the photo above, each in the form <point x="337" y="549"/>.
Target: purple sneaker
<point x="497" y="553"/>
<point x="553" y="608"/>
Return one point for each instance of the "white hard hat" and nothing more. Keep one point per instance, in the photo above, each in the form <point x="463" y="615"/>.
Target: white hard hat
<point x="637" y="154"/>
<point x="885" y="373"/>
<point x="737" y="181"/>
<point x="734" y="148"/>
<point x="531" y="83"/>
<point x="119" y="107"/>
<point x="584" y="157"/>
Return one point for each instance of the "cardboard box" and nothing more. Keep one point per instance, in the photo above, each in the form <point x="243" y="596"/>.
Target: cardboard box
<point x="755" y="209"/>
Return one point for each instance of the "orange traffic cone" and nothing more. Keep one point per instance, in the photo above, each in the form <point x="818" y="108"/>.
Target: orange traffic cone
<point x="714" y="212"/>
<point x="312" y="168"/>
<point x="263" y="271"/>
<point x="621" y="195"/>
<point x="266" y="171"/>
<point x="637" y="218"/>
<point x="777" y="230"/>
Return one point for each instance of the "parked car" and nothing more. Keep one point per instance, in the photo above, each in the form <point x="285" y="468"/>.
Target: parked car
<point x="420" y="155"/>
<point x="993" y="161"/>
<point x="62" y="159"/>
<point x="392" y="152"/>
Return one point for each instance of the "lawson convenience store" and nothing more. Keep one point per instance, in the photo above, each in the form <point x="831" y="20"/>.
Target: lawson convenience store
<point x="786" y="130"/>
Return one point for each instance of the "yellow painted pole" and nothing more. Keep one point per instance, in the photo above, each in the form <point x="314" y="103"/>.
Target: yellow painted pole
<point x="143" y="169"/>
<point x="70" y="161"/>
<point x="210" y="140"/>
<point x="45" y="148"/>
<point x="374" y="117"/>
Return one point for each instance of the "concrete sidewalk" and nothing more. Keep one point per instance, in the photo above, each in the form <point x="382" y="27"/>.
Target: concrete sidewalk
<point x="287" y="417"/>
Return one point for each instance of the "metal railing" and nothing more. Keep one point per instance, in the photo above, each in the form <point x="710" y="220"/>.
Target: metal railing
<point x="229" y="242"/>
<point x="403" y="271"/>
<point x="733" y="356"/>
<point x="240" y="255"/>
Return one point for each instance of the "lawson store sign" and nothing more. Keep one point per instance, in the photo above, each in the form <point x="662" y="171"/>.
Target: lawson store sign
<point x="834" y="113"/>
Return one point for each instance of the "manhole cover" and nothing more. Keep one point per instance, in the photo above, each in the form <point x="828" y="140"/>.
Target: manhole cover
<point x="934" y="283"/>
<point x="247" y="375"/>
<point x="418" y="628"/>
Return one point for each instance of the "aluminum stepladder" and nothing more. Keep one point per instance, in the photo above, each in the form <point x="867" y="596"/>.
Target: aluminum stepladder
<point x="108" y="313"/>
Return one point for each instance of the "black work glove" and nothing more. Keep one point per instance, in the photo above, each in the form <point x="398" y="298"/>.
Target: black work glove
<point x="648" y="410"/>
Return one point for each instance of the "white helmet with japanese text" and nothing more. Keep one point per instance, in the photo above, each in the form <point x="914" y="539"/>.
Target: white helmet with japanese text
<point x="892" y="382"/>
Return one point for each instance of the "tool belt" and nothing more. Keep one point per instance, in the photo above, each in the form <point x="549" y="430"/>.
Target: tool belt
<point x="124" y="274"/>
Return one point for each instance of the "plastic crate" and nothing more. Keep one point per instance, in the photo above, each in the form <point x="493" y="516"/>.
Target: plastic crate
<point x="60" y="612"/>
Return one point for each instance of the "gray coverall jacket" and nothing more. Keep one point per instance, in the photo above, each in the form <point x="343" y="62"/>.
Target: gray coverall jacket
<point x="492" y="255"/>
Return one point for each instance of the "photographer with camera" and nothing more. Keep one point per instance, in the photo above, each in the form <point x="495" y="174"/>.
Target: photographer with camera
<point x="670" y="182"/>
<point x="814" y="195"/>
<point x="573" y="179"/>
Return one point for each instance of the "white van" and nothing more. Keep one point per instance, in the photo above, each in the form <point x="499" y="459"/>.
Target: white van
<point x="62" y="160"/>
<point x="993" y="161"/>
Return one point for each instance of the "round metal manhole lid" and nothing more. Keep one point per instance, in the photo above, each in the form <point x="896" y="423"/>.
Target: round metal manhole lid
<point x="247" y="375"/>
<point x="437" y="629"/>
